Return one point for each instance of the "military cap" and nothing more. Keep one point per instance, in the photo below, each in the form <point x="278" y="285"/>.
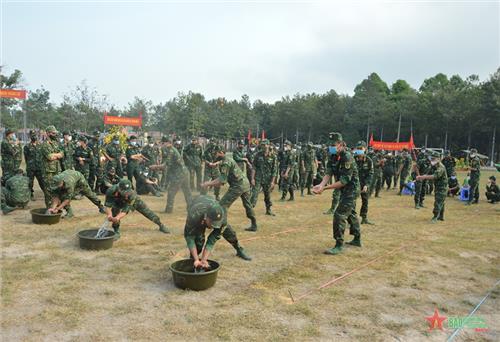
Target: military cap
<point x="56" y="181"/>
<point x="287" y="142"/>
<point x="82" y="138"/>
<point x="51" y="129"/>
<point x="361" y="143"/>
<point x="164" y="139"/>
<point x="493" y="178"/>
<point x="9" y="131"/>
<point x="335" y="137"/>
<point x="264" y="142"/>
<point x="434" y="154"/>
<point x="125" y="186"/>
<point x="473" y="150"/>
<point x="66" y="133"/>
<point x="216" y="214"/>
<point x="132" y="137"/>
<point x="219" y="148"/>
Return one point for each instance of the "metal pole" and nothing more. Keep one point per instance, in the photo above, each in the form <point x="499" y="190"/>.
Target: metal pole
<point x="367" y="132"/>
<point x="399" y="126"/>
<point x="382" y="134"/>
<point x="297" y="136"/>
<point x="493" y="146"/>
<point x="446" y="140"/>
<point x="425" y="144"/>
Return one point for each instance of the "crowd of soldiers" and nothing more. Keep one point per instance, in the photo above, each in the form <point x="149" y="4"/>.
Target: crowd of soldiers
<point x="70" y="165"/>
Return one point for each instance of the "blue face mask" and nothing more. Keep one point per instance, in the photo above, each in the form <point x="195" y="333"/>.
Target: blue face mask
<point x="359" y="152"/>
<point x="332" y="150"/>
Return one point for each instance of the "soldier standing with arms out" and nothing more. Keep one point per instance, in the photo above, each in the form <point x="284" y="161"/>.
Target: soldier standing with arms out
<point x="265" y="171"/>
<point x="11" y="155"/>
<point x="440" y="179"/>
<point x="346" y="179"/>
<point x="290" y="172"/>
<point x="134" y="158"/>
<point x="475" y="176"/>
<point x="65" y="186"/>
<point x="114" y="155"/>
<point x="421" y="168"/>
<point x="51" y="154"/>
<point x="193" y="157"/>
<point x="365" y="170"/>
<point x="68" y="146"/>
<point x="121" y="199"/>
<point x="206" y="213"/>
<point x="33" y="162"/>
<point x="309" y="164"/>
<point x="16" y="193"/>
<point x="238" y="185"/>
<point x="178" y="176"/>
<point x="405" y="168"/>
<point x="83" y="157"/>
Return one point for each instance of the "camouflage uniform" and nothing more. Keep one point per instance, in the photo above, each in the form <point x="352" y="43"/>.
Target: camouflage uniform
<point x="423" y="167"/>
<point x="114" y="151"/>
<point x="95" y="169"/>
<point x="211" y="173"/>
<point x="132" y="164"/>
<point x="16" y="193"/>
<point x="238" y="156"/>
<point x="238" y="187"/>
<point x="388" y="171"/>
<point x="11" y="158"/>
<point x="178" y="178"/>
<point x="365" y="170"/>
<point x="449" y="164"/>
<point x="377" y="183"/>
<point x="309" y="165"/>
<point x="398" y="159"/>
<point x="475" y="175"/>
<point x="50" y="168"/>
<point x="440" y="191"/>
<point x="109" y="180"/>
<point x="84" y="167"/>
<point x="290" y="164"/>
<point x="68" y="148"/>
<point x="406" y="163"/>
<point x="143" y="187"/>
<point x="266" y="171"/>
<point x="33" y="160"/>
<point x="193" y="157"/>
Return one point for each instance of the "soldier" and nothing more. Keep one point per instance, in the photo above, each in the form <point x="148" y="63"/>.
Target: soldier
<point x="109" y="179"/>
<point x="492" y="190"/>
<point x="65" y="186"/>
<point x="365" y="170"/>
<point x="388" y="170"/>
<point x="453" y="186"/>
<point x="475" y="175"/>
<point x="149" y="152"/>
<point x="398" y="159"/>
<point x="421" y="168"/>
<point x="114" y="156"/>
<point x="193" y="157"/>
<point x="290" y="173"/>
<point x="33" y="162"/>
<point x="378" y="166"/>
<point x="211" y="167"/>
<point x="346" y="180"/>
<point x="265" y="171"/>
<point x="164" y="172"/>
<point x="11" y="155"/>
<point x="404" y="169"/>
<point x="95" y="170"/>
<point x="121" y="199"/>
<point x="449" y="163"/>
<point x="147" y="184"/>
<point x="440" y="179"/>
<point x="239" y="156"/>
<point x="251" y="151"/>
<point x="238" y="185"/>
<point x="309" y="164"/>
<point x="51" y="153"/>
<point x="134" y="159"/>
<point x="83" y="158"/>
<point x="178" y="176"/>
<point x="16" y="193"/>
<point x="206" y="213"/>
<point x="68" y="147"/>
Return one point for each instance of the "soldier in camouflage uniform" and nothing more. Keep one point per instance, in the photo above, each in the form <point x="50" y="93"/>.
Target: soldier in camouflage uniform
<point x="449" y="163"/>
<point x="309" y="164"/>
<point x="397" y="168"/>
<point x="475" y="176"/>
<point x="211" y="167"/>
<point x="134" y="158"/>
<point x="492" y="190"/>
<point x="121" y="199"/>
<point x="378" y="165"/>
<point x="205" y="213"/>
<point x="151" y="156"/>
<point x="33" y="162"/>
<point x="405" y="168"/>
<point x="265" y="171"/>
<point x="65" y="186"/>
<point x="365" y="171"/>
<point x="83" y="157"/>
<point x="388" y="170"/>
<point x="114" y="155"/>
<point x="95" y="169"/>
<point x="346" y="179"/>
<point x="109" y="179"/>
<point x="50" y="153"/>
<point x="422" y="167"/>
<point x="251" y="151"/>
<point x="68" y="147"/>
<point x="290" y="173"/>
<point x="178" y="176"/>
<point x="239" y="186"/>
<point x="146" y="183"/>
<point x="440" y="179"/>
<point x="11" y="155"/>
<point x="239" y="156"/>
<point x="193" y="157"/>
<point x="16" y="193"/>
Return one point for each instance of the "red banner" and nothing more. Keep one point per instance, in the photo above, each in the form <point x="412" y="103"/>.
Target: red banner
<point x="13" y="94"/>
<point x="391" y="146"/>
<point x="123" y="121"/>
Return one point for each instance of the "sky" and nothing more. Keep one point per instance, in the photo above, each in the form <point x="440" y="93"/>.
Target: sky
<point x="266" y="50"/>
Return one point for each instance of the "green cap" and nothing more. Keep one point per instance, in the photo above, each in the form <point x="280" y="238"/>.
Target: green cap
<point x="82" y="138"/>
<point x="125" y="186"/>
<point x="361" y="143"/>
<point x="434" y="154"/>
<point x="216" y="214"/>
<point x="264" y="142"/>
<point x="335" y="137"/>
<point x="56" y="181"/>
<point x="219" y="148"/>
<point x="51" y="129"/>
<point x="473" y="150"/>
<point x="287" y="142"/>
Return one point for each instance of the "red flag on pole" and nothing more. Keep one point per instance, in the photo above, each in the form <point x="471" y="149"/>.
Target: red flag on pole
<point x="371" y="140"/>
<point x="411" y="143"/>
<point x="263" y="135"/>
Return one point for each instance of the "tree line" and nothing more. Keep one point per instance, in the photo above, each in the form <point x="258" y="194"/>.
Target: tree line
<point x="447" y="112"/>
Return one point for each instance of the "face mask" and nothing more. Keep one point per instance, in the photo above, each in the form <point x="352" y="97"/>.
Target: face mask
<point x="294" y="150"/>
<point x="61" y="141"/>
<point x="434" y="162"/>
<point x="453" y="177"/>
<point x="332" y="150"/>
<point x="151" y="145"/>
<point x="146" y="174"/>
<point x="473" y="156"/>
<point x="133" y="143"/>
<point x="252" y="149"/>
<point x="359" y="152"/>
<point x="13" y="137"/>
<point x="116" y="142"/>
<point x="70" y="138"/>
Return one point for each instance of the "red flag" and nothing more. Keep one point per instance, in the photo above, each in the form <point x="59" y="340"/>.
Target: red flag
<point x="371" y="140"/>
<point x="411" y="143"/>
<point x="263" y="135"/>
<point x="249" y="137"/>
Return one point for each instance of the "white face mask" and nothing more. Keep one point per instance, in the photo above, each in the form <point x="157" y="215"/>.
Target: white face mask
<point x="151" y="145"/>
<point x="146" y="174"/>
<point x="252" y="149"/>
<point x="434" y="162"/>
<point x="133" y="143"/>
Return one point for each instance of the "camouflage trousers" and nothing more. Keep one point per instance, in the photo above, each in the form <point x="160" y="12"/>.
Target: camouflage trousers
<point x="47" y="181"/>
<point x="439" y="199"/>
<point x="403" y="179"/>
<point x="211" y="173"/>
<point x="178" y="182"/>
<point x="87" y="192"/>
<point x="307" y="181"/>
<point x="141" y="207"/>
<point x="346" y="213"/>
<point x="377" y="183"/>
<point x="132" y="172"/>
<point x="7" y="200"/>
<point x="116" y="163"/>
<point x="232" y="195"/>
<point x="335" y="200"/>
<point x="84" y="170"/>
<point x="474" y="190"/>
<point x="290" y="183"/>
<point x="228" y="234"/>
<point x="387" y="179"/>
<point x="420" y="187"/>
<point x="195" y="172"/>
<point x="32" y="174"/>
<point x="95" y="174"/>
<point x="266" y="189"/>
<point x="364" y="204"/>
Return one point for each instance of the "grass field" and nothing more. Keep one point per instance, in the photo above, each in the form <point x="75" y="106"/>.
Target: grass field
<point x="53" y="291"/>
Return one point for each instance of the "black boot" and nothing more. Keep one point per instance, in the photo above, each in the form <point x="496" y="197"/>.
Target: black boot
<point x="335" y="250"/>
<point x="355" y="242"/>
<point x="240" y="253"/>
<point x="269" y="212"/>
<point x="292" y="197"/>
<point x="253" y="226"/>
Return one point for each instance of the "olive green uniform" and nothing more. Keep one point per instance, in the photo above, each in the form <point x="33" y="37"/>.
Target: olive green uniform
<point x="423" y="167"/>
<point x="440" y="190"/>
<point x="290" y="163"/>
<point x="365" y="170"/>
<point x="475" y="176"/>
<point x="50" y="168"/>
<point x="16" y="192"/>
<point x="33" y="160"/>
<point x="377" y="182"/>
<point x="210" y="173"/>
<point x="132" y="164"/>
<point x="108" y="181"/>
<point x="11" y="158"/>
<point x="178" y="178"/>
<point x="68" y="162"/>
<point x="266" y="169"/>
<point x="193" y="157"/>
<point x="309" y="165"/>
<point x="406" y="163"/>
<point x="115" y="152"/>
<point x="84" y="166"/>
<point x="74" y="183"/>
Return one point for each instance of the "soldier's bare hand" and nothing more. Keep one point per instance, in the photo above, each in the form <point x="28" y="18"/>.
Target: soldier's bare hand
<point x="318" y="189"/>
<point x="198" y="264"/>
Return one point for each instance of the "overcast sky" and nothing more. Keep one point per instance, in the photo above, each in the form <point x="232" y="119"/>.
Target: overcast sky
<point x="156" y="49"/>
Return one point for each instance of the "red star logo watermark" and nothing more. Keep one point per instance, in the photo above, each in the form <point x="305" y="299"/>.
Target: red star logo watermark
<point x="435" y="321"/>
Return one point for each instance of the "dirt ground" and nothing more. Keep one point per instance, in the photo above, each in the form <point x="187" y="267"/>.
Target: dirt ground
<point x="407" y="268"/>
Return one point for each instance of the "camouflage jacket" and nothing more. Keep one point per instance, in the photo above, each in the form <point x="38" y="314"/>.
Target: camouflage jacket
<point x="11" y="156"/>
<point x="440" y="178"/>
<point x="475" y="168"/>
<point x="73" y="181"/>
<point x="32" y="157"/>
<point x="449" y="164"/>
<point x="309" y="159"/>
<point x="67" y="162"/>
<point x="238" y="156"/>
<point x="230" y="173"/>
<point x="174" y="164"/>
<point x="18" y="189"/>
<point x="266" y="167"/>
<point x="193" y="155"/>
<point x="85" y="153"/>
<point x="290" y="160"/>
<point x="131" y="150"/>
<point x="114" y="199"/>
<point x="46" y="149"/>
<point x="343" y="167"/>
<point x="365" y="170"/>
